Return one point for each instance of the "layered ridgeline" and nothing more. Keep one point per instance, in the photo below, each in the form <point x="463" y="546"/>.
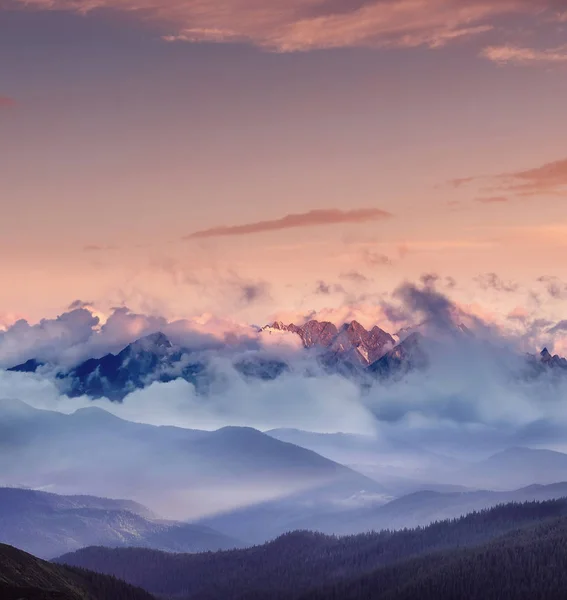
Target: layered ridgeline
<point x="260" y="523"/>
<point x="350" y="350"/>
<point x="238" y="483"/>
<point x="25" y="577"/>
<point x="180" y="473"/>
<point x="503" y="553"/>
<point x="48" y="525"/>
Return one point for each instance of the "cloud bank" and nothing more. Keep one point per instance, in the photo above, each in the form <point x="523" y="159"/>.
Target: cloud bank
<point x="473" y="399"/>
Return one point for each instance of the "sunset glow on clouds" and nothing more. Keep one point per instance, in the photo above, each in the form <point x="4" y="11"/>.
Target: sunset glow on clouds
<point x="247" y="159"/>
<point x="292" y="25"/>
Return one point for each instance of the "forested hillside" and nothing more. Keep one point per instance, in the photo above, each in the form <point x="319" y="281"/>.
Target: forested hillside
<point x="298" y="562"/>
<point x="530" y="564"/>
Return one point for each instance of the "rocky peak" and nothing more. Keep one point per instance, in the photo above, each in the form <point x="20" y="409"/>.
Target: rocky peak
<point x="554" y="361"/>
<point x="318" y="333"/>
<point x="351" y="341"/>
<point x="406" y="356"/>
<point x="157" y="343"/>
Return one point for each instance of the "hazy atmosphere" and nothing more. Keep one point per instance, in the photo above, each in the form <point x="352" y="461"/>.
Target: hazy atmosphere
<point x="276" y="271"/>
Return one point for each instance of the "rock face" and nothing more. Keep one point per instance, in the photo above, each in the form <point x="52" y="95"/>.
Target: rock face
<point x="405" y="357"/>
<point x="351" y="342"/>
<point x="553" y="362"/>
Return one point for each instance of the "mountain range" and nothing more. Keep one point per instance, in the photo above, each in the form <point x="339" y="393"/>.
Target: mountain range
<point x="351" y="342"/>
<point x="349" y="350"/>
<point x="260" y="523"/>
<point x="179" y="472"/>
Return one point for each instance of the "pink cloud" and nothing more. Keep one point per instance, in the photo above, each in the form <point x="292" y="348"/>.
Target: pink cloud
<point x="525" y="56"/>
<point x="309" y="219"/>
<point x="550" y="178"/>
<point x="547" y="179"/>
<point x="297" y="25"/>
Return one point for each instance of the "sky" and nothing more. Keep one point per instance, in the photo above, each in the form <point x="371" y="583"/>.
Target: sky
<point x="262" y="158"/>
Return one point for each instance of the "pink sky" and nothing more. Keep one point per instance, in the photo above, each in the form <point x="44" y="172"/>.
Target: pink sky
<point x="183" y="156"/>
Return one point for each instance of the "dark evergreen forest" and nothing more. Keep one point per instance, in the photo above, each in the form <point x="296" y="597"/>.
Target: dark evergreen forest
<point x="507" y="552"/>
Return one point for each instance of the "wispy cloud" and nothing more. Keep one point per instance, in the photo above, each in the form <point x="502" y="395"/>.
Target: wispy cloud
<point x="460" y="181"/>
<point x="299" y="25"/>
<point x="312" y="218"/>
<point x="251" y="292"/>
<point x="97" y="248"/>
<point x="354" y="276"/>
<point x="547" y="179"/>
<point x="550" y="178"/>
<point x="491" y="281"/>
<point x="517" y="55"/>
<point x="492" y="200"/>
<point x="375" y="259"/>
<point x="556" y="288"/>
<point x="326" y="289"/>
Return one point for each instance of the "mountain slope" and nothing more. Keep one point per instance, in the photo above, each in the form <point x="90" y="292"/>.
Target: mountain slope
<point x="517" y="467"/>
<point x="401" y="467"/>
<point x="516" y="566"/>
<point x="296" y="562"/>
<point x="25" y="577"/>
<point x="360" y="513"/>
<point x="177" y="472"/>
<point x="48" y="525"/>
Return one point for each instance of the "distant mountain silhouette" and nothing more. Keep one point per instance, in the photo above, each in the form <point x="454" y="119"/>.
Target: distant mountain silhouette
<point x="48" y="525"/>
<point x="174" y="471"/>
<point x="260" y="523"/>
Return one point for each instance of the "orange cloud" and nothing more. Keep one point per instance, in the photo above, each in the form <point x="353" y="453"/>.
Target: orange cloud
<point x="296" y="25"/>
<point x="309" y="219"/>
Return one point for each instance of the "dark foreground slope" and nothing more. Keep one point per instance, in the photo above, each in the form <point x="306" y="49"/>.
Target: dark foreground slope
<point x="299" y="562"/>
<point x="24" y="577"/>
